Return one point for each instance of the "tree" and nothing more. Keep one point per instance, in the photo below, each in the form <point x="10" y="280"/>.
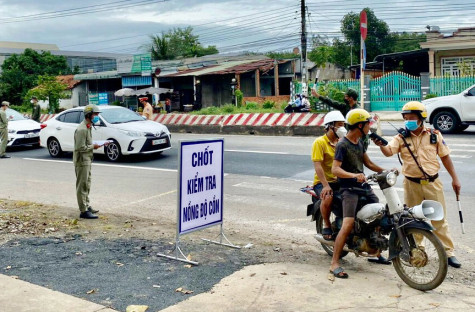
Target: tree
<point x="177" y="42"/>
<point x="379" y="41"/>
<point x="49" y="89"/>
<point x="283" y="55"/>
<point x="407" y="41"/>
<point x="20" y="73"/>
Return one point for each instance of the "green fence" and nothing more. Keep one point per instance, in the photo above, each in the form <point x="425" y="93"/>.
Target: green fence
<point x="390" y="92"/>
<point x="450" y="85"/>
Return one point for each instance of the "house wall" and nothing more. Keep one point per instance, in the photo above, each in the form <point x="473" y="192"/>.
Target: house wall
<point x="248" y="86"/>
<point x="216" y="90"/>
<point x="329" y="72"/>
<point x="450" y="53"/>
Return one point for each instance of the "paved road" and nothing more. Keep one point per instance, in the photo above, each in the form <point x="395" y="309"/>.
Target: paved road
<point x="261" y="172"/>
<point x="261" y="186"/>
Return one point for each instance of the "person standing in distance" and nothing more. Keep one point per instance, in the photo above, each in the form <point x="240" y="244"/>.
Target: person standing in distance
<point x="4" y="129"/>
<point x="147" y="108"/>
<point x="82" y="159"/>
<point x="36" y="113"/>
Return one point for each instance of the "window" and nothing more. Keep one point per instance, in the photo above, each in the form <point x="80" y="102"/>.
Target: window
<point x="471" y="92"/>
<point x="451" y="65"/>
<point x="72" y="117"/>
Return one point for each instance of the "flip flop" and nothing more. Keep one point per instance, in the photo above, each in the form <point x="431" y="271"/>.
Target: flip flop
<point x="380" y="260"/>
<point x="339" y="273"/>
<point x="327" y="232"/>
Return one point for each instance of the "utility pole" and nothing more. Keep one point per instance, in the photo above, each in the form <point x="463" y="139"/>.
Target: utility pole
<point x="303" y="43"/>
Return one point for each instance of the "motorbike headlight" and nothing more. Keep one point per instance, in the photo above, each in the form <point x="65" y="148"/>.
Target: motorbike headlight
<point x="391" y="178"/>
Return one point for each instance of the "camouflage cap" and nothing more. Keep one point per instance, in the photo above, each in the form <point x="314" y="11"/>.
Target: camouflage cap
<point x="352" y="93"/>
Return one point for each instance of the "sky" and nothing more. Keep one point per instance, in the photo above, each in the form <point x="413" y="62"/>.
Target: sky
<point x="233" y="26"/>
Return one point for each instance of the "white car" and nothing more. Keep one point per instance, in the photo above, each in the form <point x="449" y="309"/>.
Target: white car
<point x="22" y="131"/>
<point x="453" y="113"/>
<point x="128" y="132"/>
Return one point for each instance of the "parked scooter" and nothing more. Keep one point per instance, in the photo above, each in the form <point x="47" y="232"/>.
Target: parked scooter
<point x="418" y="256"/>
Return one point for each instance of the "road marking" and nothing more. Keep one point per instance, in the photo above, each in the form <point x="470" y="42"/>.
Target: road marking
<point x="147" y="199"/>
<point x="105" y="165"/>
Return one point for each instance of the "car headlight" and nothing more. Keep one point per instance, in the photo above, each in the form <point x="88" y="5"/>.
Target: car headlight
<point x="133" y="133"/>
<point x="12" y="131"/>
<point x="391" y="178"/>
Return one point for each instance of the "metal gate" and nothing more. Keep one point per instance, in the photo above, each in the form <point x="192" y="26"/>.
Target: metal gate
<point x="390" y="92"/>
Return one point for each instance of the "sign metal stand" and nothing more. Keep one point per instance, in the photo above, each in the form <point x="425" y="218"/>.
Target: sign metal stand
<point x="200" y="192"/>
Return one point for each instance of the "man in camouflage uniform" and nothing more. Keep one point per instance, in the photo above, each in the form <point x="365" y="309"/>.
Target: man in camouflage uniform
<point x="36" y="112"/>
<point x="351" y="97"/>
<point x="82" y="158"/>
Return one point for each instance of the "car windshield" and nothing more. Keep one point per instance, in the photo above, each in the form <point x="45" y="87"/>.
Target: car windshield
<point x="120" y="115"/>
<point x="16" y="115"/>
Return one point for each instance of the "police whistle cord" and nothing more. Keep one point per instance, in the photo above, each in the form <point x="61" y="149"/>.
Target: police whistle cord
<point x="460" y="213"/>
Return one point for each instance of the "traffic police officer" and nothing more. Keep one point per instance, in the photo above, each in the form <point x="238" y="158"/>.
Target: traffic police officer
<point x="421" y="166"/>
<point x="3" y="129"/>
<point x="82" y="158"/>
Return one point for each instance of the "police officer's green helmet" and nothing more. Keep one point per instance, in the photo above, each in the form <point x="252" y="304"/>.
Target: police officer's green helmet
<point x="91" y="108"/>
<point x="352" y="93"/>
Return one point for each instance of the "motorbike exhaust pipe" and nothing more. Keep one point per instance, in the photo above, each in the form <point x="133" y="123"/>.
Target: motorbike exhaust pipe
<point x="320" y="238"/>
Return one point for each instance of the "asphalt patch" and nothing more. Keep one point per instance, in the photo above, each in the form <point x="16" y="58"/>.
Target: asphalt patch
<point x="120" y="272"/>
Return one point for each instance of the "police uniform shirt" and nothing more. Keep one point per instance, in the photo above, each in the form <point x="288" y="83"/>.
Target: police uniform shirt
<point x="147" y="111"/>
<point x="425" y="153"/>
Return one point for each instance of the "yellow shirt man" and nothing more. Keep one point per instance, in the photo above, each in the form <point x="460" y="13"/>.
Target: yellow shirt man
<point x="323" y="151"/>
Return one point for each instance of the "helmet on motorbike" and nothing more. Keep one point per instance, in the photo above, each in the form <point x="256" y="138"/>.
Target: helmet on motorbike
<point x="356" y="116"/>
<point x="415" y="107"/>
<point x="332" y="117"/>
<point x="91" y="108"/>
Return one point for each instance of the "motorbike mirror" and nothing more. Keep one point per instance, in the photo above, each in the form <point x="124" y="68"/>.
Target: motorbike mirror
<point x="428" y="209"/>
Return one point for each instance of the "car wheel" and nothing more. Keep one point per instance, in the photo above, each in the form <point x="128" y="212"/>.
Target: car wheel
<point x="446" y="122"/>
<point x="54" y="148"/>
<point x="112" y="151"/>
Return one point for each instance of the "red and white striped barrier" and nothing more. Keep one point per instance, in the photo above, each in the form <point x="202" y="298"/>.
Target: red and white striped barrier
<point x="254" y="119"/>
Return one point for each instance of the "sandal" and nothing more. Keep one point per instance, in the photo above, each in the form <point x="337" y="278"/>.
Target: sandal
<point x="339" y="273"/>
<point x="380" y="260"/>
<point x="327" y="234"/>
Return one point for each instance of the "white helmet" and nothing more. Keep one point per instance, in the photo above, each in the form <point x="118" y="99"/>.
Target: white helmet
<point x="332" y="117"/>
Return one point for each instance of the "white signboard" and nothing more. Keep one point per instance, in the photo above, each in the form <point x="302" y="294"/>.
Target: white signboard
<point x="200" y="180"/>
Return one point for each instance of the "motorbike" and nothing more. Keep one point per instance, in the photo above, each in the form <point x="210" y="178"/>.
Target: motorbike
<point x="417" y="255"/>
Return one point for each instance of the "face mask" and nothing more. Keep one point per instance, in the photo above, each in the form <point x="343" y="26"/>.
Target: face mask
<point x="341" y="132"/>
<point x="32" y="102"/>
<point x="346" y="101"/>
<point x="411" y="125"/>
<point x="95" y="119"/>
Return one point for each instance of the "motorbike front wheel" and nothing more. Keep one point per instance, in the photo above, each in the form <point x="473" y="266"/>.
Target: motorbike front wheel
<point x="319" y="223"/>
<point x="427" y="266"/>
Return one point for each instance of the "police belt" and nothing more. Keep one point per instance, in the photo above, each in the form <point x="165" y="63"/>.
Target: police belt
<point x="423" y="180"/>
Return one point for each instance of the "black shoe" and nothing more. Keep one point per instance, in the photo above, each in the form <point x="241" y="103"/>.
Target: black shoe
<point x="5" y="156"/>
<point x="453" y="262"/>
<point x="92" y="210"/>
<point x="87" y="215"/>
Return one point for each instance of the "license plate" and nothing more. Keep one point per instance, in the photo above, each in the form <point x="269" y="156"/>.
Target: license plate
<point x="159" y="141"/>
<point x="31" y="135"/>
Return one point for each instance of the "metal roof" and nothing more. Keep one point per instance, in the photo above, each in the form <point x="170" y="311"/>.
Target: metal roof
<point x="231" y="67"/>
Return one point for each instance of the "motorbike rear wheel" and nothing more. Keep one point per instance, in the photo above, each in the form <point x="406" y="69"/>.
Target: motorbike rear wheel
<point x="319" y="224"/>
<point x="428" y="265"/>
